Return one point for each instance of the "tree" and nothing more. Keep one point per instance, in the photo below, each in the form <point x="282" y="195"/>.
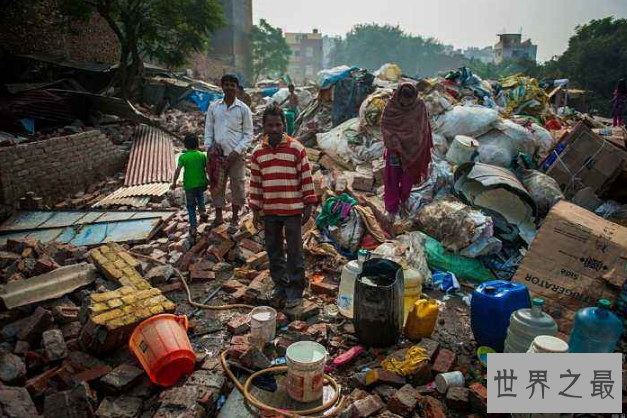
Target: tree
<point x="596" y="58"/>
<point x="370" y="46"/>
<point x="166" y="30"/>
<point x="271" y="53"/>
<point x="492" y="71"/>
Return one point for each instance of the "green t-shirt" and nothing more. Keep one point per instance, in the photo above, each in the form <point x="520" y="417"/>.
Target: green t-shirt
<point x="194" y="164"/>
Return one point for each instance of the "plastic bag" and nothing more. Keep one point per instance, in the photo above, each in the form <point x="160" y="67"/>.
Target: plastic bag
<point x="416" y="255"/>
<point x="440" y="144"/>
<point x="446" y="281"/>
<point x="464" y="268"/>
<point x="543" y="140"/>
<point x="345" y="143"/>
<point x="502" y="144"/>
<point x="326" y="78"/>
<point x="466" y="120"/>
<point x="349" y="234"/>
<point x="544" y="190"/>
<point x="389" y="72"/>
<point x="437" y="103"/>
<point x="439" y="183"/>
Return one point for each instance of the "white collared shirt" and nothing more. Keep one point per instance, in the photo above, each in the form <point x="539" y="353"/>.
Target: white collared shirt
<point x="231" y="128"/>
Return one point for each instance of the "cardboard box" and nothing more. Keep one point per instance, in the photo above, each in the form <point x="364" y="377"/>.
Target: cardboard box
<point x="586" y="161"/>
<point x="576" y="259"/>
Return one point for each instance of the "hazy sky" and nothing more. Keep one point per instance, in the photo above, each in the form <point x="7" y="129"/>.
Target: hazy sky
<point x="462" y="23"/>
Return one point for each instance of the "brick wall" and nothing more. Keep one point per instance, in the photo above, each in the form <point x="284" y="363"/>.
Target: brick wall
<point x="57" y="168"/>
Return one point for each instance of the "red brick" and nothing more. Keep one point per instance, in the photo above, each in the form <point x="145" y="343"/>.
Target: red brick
<point x="38" y="384"/>
<point x="202" y="265"/>
<point x="444" y="362"/>
<point x="432" y="408"/>
<point x="91" y="374"/>
<point x="65" y="314"/>
<point x="384" y="377"/>
<point x="45" y="265"/>
<point x="202" y="276"/>
<point x="478" y="397"/>
<point x="221" y="250"/>
<point x="36" y="324"/>
<point x="324" y="288"/>
<point x="297" y="326"/>
<point x="232" y="286"/>
<point x="431" y="346"/>
<point x="319" y="332"/>
<point x="251" y="246"/>
<point x="239" y="324"/>
<point x="239" y="339"/>
<point x="257" y="260"/>
<point x="367" y="407"/>
<point x="457" y="398"/>
<point x="404" y="401"/>
<point x="172" y="287"/>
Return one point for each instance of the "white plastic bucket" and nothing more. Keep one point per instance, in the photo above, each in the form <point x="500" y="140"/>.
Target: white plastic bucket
<point x="548" y="344"/>
<point x="444" y="381"/>
<point x="305" y="370"/>
<point x="262" y="325"/>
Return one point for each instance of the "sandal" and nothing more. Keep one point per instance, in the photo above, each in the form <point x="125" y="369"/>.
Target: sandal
<point x="216" y="223"/>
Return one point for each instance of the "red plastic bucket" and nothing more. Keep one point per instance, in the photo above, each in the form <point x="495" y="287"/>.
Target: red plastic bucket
<point x="163" y="348"/>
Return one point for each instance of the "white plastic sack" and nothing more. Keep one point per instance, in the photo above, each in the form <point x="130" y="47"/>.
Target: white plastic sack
<point x="349" y="234"/>
<point x="466" y="120"/>
<point x="389" y="72"/>
<point x="544" y="190"/>
<point x="437" y="103"/>
<point x="344" y="143"/>
<point x="544" y="141"/>
<point x="502" y="144"/>
<point x="416" y="254"/>
<point x="280" y="96"/>
<point x="440" y="144"/>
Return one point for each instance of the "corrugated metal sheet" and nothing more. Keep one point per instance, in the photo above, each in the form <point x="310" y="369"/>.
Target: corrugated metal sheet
<point x="84" y="228"/>
<point x="151" y="159"/>
<point x="42" y="105"/>
<point x="135" y="196"/>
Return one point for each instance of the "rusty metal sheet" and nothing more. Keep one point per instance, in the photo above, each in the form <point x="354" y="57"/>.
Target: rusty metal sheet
<point x="84" y="228"/>
<point x="47" y="286"/>
<point x="151" y="159"/>
<point x="135" y="196"/>
<point x="42" y="105"/>
<point x="135" y="202"/>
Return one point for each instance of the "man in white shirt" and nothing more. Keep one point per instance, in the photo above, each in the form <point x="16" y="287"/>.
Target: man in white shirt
<point x="229" y="132"/>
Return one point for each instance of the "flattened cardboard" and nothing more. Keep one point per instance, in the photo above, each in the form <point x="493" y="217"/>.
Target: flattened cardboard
<point x="576" y="259"/>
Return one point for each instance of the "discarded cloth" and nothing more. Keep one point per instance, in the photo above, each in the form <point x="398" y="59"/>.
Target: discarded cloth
<point x="414" y="358"/>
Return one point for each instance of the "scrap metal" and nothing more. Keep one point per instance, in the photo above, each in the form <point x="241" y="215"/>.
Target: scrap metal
<point x="151" y="159"/>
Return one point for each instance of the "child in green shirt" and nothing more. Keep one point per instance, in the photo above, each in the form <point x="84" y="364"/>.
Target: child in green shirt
<point x="195" y="182"/>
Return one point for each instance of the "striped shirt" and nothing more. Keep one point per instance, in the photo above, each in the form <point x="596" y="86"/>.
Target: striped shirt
<point x="280" y="178"/>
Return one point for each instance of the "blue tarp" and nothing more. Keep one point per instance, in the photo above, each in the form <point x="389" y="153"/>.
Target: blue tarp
<point x="269" y="92"/>
<point x="326" y="78"/>
<point x="203" y="98"/>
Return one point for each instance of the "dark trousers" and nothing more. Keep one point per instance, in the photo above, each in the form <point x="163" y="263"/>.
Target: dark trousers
<point x="286" y="274"/>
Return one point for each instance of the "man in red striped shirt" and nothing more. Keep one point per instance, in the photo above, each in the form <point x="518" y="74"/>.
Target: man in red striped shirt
<point x="282" y="197"/>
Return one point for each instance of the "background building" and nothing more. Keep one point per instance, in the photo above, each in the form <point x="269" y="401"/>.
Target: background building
<point x="231" y="49"/>
<point x="306" y="59"/>
<point x="485" y="55"/>
<point x="510" y="46"/>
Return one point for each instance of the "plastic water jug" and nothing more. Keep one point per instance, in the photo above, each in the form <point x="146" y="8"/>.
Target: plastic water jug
<point x="525" y="325"/>
<point x="491" y="306"/>
<point x="596" y="330"/>
<point x="421" y="320"/>
<point x="413" y="289"/>
<point x="346" y="293"/>
<point x="379" y="303"/>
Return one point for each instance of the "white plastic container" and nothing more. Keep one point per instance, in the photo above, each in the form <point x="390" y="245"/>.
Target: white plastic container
<point x="548" y="344"/>
<point x="462" y="149"/>
<point x="413" y="290"/>
<point x="305" y="370"/>
<point x="346" y="293"/>
<point x="262" y="325"/>
<point x="444" y="381"/>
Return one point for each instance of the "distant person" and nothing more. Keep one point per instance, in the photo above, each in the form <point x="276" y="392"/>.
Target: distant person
<point x="245" y="97"/>
<point x="193" y="162"/>
<point x="282" y="197"/>
<point x="618" y="102"/>
<point x="228" y="134"/>
<point x="407" y="139"/>
<point x="292" y="101"/>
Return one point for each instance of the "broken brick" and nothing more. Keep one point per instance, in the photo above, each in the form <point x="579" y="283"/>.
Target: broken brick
<point x="91" y="374"/>
<point x="367" y="407"/>
<point x="324" y="288"/>
<point x="302" y="312"/>
<point x="478" y="397"/>
<point x="37" y="323"/>
<point x="65" y="314"/>
<point x="385" y="392"/>
<point x="254" y="359"/>
<point x="444" y="362"/>
<point x="458" y="398"/>
<point x="232" y="286"/>
<point x="160" y="274"/>
<point x="71" y="331"/>
<point x="257" y="260"/>
<point x="21" y="348"/>
<point x="16" y="403"/>
<point x="121" y="378"/>
<point x="251" y="246"/>
<point x="239" y="324"/>
<point x="76" y="403"/>
<point x="122" y="407"/>
<point x="297" y="326"/>
<point x="384" y="377"/>
<point x="202" y="265"/>
<point x="202" y="276"/>
<point x="54" y="345"/>
<point x="404" y="401"/>
<point x="432" y="408"/>
<point x="12" y="369"/>
<point x="431" y="346"/>
<point x="44" y="265"/>
<point x="173" y="287"/>
<point x="318" y="331"/>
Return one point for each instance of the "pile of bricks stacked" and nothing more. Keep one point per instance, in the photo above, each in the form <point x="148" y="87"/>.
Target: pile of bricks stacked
<point x="111" y="317"/>
<point x="57" y="167"/>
